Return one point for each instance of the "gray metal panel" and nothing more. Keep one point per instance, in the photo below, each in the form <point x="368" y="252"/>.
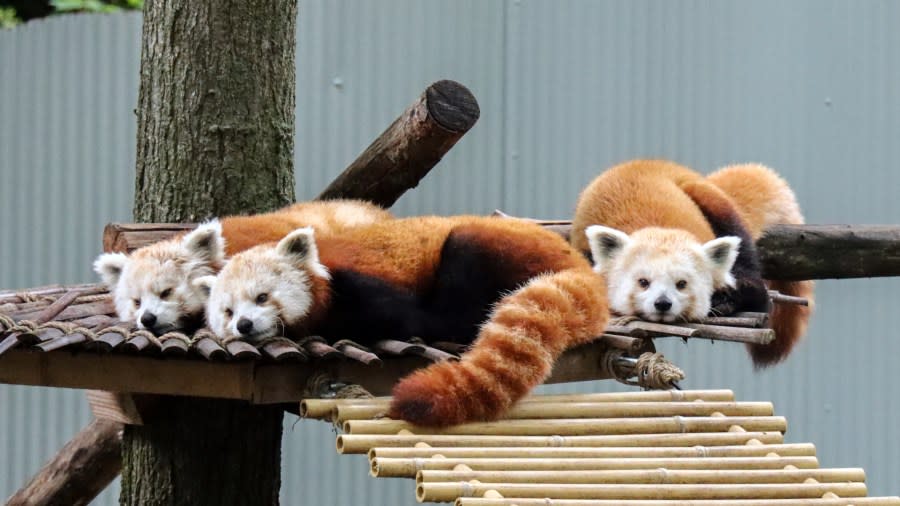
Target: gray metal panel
<point x="68" y="86"/>
<point x="566" y="89"/>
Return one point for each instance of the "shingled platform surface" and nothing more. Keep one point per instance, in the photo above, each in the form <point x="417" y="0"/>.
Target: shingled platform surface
<point x="656" y="448"/>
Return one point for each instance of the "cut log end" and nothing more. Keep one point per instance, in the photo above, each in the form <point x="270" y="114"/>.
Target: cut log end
<point x="452" y="106"/>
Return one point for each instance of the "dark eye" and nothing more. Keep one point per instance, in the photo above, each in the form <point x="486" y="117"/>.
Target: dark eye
<point x="644" y="282"/>
<point x="137" y="302"/>
<point x="229" y="313"/>
<point x="262" y="298"/>
<point x="165" y="293"/>
<point x="681" y="284"/>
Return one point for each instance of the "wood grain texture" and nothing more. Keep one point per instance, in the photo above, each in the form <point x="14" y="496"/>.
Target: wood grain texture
<point x="410" y="147"/>
<point x="80" y="471"/>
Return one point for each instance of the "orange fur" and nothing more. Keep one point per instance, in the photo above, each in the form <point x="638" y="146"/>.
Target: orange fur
<point x="326" y="217"/>
<point x="657" y="193"/>
<point x="560" y="304"/>
<point x="765" y="199"/>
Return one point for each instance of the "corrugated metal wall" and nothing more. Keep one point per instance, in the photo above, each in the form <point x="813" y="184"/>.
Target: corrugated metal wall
<point x="566" y="88"/>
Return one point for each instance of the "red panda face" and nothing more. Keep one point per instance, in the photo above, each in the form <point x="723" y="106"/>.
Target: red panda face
<point x="661" y="274"/>
<point x="154" y="285"/>
<point x="264" y="289"/>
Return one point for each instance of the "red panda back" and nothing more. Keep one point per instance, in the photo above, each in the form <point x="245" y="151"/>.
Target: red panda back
<point x="765" y="199"/>
<point x="639" y="194"/>
<point x="523" y="335"/>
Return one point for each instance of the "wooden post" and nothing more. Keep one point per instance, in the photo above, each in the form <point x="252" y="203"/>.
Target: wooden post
<point x="80" y="471"/>
<point x="414" y="143"/>
<point x="215" y="137"/>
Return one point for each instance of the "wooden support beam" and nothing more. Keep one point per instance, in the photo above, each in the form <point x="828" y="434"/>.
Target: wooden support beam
<point x="414" y="143"/>
<point x="799" y="252"/>
<point x="80" y="471"/>
<point x="259" y="383"/>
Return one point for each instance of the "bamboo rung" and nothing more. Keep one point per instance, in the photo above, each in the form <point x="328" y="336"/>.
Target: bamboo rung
<point x="447" y="492"/>
<point x="576" y="427"/>
<point x="857" y="501"/>
<point x="539" y="410"/>
<point x="349" y="443"/>
<point x="322" y="408"/>
<point x="399" y="467"/>
<point x="647" y="476"/>
<point x="784" y="450"/>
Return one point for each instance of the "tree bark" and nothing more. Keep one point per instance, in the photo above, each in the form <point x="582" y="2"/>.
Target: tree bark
<point x="408" y="149"/>
<point x="215" y="109"/>
<point x="799" y="252"/>
<point x="80" y="471"/>
<point x="215" y="137"/>
<point x="204" y="451"/>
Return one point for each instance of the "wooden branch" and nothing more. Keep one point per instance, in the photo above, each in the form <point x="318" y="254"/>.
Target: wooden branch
<point x="83" y="468"/>
<point x="794" y="252"/>
<point x="801" y="252"/>
<point x="414" y="143"/>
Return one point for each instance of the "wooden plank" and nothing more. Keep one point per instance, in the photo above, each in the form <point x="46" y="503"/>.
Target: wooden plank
<point x="126" y="373"/>
<point x="260" y="383"/>
<point x="115" y="406"/>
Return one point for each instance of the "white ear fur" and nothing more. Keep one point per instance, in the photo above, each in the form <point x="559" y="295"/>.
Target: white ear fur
<point x="605" y="243"/>
<point x="206" y="242"/>
<point x="721" y="254"/>
<point x="109" y="266"/>
<point x="205" y="284"/>
<point x="300" y="247"/>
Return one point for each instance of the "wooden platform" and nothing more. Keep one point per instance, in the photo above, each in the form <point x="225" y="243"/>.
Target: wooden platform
<point x="631" y="449"/>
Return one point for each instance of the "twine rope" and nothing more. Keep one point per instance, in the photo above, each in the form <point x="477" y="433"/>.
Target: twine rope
<point x="654" y="372"/>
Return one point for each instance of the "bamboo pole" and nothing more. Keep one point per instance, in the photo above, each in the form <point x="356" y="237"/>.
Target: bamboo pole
<point x="577" y="427"/>
<point x="349" y="443"/>
<point x="540" y="410"/>
<point x="856" y="501"/>
<point x="649" y="476"/>
<point x="322" y="408"/>
<point x="407" y="468"/>
<point x="447" y="492"/>
<point x="783" y="450"/>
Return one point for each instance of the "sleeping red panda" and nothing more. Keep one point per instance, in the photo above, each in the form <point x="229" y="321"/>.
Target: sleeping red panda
<point x="675" y="245"/>
<point x="520" y="292"/>
<point x="153" y="285"/>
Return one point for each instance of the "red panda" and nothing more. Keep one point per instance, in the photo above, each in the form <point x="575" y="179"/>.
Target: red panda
<point x="674" y="244"/>
<point x="153" y="286"/>
<point x="519" y="293"/>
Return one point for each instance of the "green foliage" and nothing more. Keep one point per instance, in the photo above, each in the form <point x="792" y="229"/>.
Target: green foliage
<point x="62" y="6"/>
<point x="8" y="18"/>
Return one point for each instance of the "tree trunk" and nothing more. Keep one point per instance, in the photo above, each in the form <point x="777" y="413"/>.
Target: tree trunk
<point x="215" y="137"/>
<point x="204" y="451"/>
<point x="215" y="109"/>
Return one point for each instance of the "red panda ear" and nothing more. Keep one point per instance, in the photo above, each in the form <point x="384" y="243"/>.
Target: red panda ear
<point x="205" y="284"/>
<point x="606" y="243"/>
<point x="206" y="242"/>
<point x="722" y="253"/>
<point x="299" y="246"/>
<point x="109" y="266"/>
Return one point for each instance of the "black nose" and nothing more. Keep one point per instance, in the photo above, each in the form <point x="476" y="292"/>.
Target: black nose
<point x="662" y="304"/>
<point x="148" y="320"/>
<point x="244" y="326"/>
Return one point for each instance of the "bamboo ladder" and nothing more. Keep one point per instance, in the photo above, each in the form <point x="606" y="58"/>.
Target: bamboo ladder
<point x="641" y="448"/>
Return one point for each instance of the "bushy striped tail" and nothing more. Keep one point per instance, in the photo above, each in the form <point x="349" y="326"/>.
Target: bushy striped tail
<point x="514" y="352"/>
<point x="789" y="321"/>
